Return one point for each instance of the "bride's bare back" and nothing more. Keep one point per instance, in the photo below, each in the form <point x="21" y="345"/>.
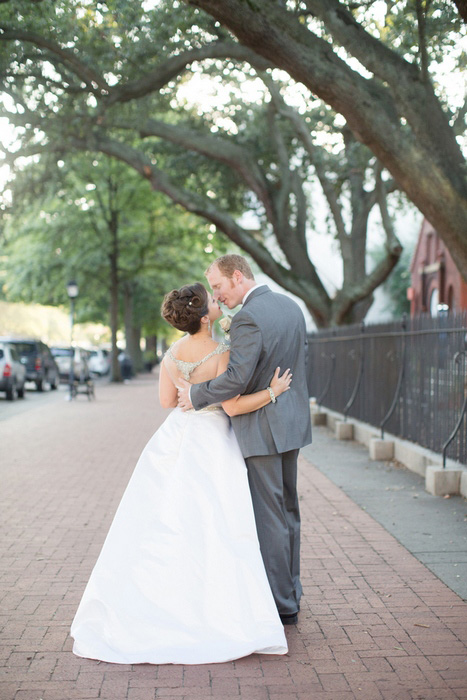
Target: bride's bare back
<point x="195" y="360"/>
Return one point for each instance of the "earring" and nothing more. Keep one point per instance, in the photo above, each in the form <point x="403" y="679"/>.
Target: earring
<point x="209" y="325"/>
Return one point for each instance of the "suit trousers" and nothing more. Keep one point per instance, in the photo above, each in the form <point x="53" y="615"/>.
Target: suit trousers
<point x="273" y="486"/>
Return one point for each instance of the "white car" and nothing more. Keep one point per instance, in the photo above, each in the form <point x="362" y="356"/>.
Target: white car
<point x="63" y="356"/>
<point x="12" y="372"/>
<point x="99" y="361"/>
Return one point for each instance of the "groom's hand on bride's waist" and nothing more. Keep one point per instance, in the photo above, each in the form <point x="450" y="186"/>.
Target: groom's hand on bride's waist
<point x="184" y="400"/>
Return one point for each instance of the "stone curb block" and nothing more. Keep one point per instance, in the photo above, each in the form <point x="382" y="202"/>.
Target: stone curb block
<point x="381" y="450"/>
<point x="463" y="486"/>
<point x="416" y="458"/>
<point x="344" y="431"/>
<point x="319" y="418"/>
<point x="442" y="482"/>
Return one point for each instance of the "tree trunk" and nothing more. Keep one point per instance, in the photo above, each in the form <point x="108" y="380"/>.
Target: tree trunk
<point x="115" y="373"/>
<point x="132" y="330"/>
<point x="133" y="347"/>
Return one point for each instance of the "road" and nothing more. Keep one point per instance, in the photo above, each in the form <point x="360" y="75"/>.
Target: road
<point x="34" y="399"/>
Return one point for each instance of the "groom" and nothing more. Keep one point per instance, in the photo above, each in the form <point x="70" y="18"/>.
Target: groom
<point x="268" y="332"/>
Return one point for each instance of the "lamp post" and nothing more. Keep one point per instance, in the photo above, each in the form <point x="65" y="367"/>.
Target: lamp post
<point x="72" y="291"/>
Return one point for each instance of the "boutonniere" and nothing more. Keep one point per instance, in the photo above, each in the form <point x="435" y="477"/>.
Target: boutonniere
<point x="225" y="323"/>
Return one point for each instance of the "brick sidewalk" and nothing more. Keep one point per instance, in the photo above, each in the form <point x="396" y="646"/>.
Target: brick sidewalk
<point x="375" y="623"/>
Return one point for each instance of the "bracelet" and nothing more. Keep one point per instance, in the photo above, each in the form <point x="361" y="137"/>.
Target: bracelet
<point x="271" y="394"/>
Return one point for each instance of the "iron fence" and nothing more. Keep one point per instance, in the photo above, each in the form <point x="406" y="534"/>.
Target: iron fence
<point x="408" y="378"/>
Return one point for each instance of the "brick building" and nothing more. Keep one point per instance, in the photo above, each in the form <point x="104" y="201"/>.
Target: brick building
<point x="435" y="277"/>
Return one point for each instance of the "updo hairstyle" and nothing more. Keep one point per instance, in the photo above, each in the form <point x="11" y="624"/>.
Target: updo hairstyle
<point x="184" y="308"/>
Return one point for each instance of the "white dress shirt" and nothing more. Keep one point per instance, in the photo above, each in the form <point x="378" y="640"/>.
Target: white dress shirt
<point x="251" y="290"/>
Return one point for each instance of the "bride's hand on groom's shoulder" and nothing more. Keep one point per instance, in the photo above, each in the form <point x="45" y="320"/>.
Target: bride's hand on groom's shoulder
<point x="279" y="384"/>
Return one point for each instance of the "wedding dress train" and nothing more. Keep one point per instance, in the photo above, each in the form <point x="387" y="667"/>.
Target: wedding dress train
<point x="180" y="578"/>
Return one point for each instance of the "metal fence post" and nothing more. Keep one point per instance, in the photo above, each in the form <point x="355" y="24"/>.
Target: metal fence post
<point x="457" y="356"/>
<point x="354" y="393"/>
<point x="399" y="379"/>
<point x="327" y="386"/>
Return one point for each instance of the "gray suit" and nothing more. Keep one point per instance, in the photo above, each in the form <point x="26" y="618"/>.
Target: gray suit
<point x="269" y="332"/>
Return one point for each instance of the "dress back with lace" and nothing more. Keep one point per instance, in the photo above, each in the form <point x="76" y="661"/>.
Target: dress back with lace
<point x="194" y="372"/>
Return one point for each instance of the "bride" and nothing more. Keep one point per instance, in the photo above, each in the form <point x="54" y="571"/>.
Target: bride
<point x="180" y="577"/>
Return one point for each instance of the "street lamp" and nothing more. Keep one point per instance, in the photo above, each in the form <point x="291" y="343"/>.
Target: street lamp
<point x="72" y="291"/>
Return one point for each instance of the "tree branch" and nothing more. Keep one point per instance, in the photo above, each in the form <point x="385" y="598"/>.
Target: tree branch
<point x="87" y="75"/>
<point x="459" y="120"/>
<point x="293" y="244"/>
<point x="282" y="193"/>
<point x="349" y="296"/>
<point x="421" y="28"/>
<point x="173" y="66"/>
<point x="393" y="245"/>
<point x="372" y="53"/>
<point x="200" y="206"/>
<point x="462" y="8"/>
<point x="301" y="211"/>
<point x="216" y="147"/>
<point x="303" y="132"/>
<point x="410" y="86"/>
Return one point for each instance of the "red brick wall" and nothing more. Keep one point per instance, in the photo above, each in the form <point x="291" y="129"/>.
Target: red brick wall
<point x="434" y="269"/>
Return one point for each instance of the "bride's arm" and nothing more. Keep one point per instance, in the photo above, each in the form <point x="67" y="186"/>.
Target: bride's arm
<point x="167" y="390"/>
<point x="252" y="402"/>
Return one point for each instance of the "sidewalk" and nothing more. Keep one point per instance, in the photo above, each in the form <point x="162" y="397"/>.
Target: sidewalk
<point x="375" y="622"/>
<point x="434" y="529"/>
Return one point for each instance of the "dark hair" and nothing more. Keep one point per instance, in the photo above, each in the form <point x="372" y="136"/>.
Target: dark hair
<point x="184" y="308"/>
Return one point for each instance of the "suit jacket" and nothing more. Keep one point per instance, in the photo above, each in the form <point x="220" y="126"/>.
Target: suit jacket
<point x="268" y="332"/>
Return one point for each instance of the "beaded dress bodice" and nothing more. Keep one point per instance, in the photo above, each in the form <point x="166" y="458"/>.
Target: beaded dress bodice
<point x="186" y="368"/>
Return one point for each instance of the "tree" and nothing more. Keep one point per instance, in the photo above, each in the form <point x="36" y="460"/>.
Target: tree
<point x="397" y="284"/>
<point x="100" y="223"/>
<point x="272" y="158"/>
<point x="246" y="170"/>
<point x="389" y="100"/>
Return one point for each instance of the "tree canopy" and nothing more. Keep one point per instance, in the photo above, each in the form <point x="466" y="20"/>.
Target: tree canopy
<point x="99" y="223"/>
<point x="108" y="77"/>
<point x="378" y="74"/>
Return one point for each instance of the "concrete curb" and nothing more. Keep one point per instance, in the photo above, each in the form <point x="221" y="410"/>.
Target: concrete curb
<point x="426" y="463"/>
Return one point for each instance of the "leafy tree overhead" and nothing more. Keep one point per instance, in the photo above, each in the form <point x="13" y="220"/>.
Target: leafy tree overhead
<point x="272" y="158"/>
<point x="377" y="73"/>
<point x="113" y="89"/>
<point x="100" y="223"/>
<point x="262" y="160"/>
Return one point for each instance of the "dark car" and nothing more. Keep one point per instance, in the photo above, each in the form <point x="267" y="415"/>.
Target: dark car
<point x="35" y="355"/>
<point x="12" y="372"/>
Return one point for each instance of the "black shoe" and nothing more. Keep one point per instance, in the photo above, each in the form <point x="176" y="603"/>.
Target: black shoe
<point x="289" y="619"/>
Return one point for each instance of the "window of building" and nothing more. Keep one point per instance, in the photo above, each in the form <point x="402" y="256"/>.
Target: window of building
<point x="434" y="301"/>
<point x="451" y="301"/>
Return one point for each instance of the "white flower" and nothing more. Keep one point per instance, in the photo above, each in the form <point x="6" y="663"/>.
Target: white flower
<point x="225" y="322"/>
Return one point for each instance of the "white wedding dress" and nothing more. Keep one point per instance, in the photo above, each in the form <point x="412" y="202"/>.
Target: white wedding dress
<point x="180" y="577"/>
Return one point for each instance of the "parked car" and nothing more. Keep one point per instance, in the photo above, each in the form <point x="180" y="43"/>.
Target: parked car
<point x="38" y="361"/>
<point x="99" y="361"/>
<point x="63" y="357"/>
<point x="12" y="372"/>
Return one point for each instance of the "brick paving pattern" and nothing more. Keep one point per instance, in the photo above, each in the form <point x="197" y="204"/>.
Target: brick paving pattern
<point x="375" y="623"/>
